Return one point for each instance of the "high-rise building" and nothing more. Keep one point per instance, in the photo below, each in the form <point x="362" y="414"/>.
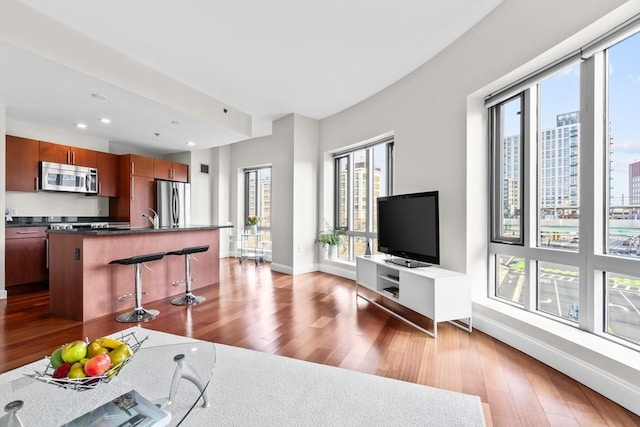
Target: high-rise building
<point x="558" y="158"/>
<point x="360" y="197"/>
<point x="634" y="184"/>
<point x="511" y="184"/>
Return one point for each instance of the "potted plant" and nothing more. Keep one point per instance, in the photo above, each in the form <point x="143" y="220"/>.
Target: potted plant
<point x="330" y="239"/>
<point x="252" y="222"/>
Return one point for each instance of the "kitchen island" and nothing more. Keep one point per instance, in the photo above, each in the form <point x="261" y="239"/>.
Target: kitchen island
<point x="83" y="285"/>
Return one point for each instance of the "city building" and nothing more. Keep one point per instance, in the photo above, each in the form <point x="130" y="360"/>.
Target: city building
<point x="634" y="184"/>
<point x="558" y="158"/>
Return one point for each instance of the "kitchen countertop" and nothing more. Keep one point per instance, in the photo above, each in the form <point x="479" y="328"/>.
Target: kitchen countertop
<point x="46" y="221"/>
<point x="136" y="230"/>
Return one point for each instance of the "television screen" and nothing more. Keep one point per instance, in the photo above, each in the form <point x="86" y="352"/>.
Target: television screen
<point x="408" y="227"/>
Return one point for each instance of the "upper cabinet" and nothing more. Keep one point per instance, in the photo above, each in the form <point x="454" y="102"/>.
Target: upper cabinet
<point x="22" y="164"/>
<point x="180" y="172"/>
<point x="108" y="166"/>
<point x="165" y="169"/>
<point x="57" y="153"/>
<point x="138" y="165"/>
<point x="136" y="190"/>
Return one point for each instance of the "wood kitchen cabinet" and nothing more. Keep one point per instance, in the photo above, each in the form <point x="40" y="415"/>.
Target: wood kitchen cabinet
<point x="58" y="153"/>
<point x="22" y="157"/>
<point x="108" y="174"/>
<point x="25" y="255"/>
<point x="137" y="191"/>
<point x="138" y="165"/>
<point x="142" y="198"/>
<point x="165" y="169"/>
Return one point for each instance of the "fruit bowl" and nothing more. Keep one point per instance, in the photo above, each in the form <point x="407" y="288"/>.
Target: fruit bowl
<point x="90" y="382"/>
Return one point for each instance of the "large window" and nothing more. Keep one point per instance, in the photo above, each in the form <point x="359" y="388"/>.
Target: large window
<point x="362" y="175"/>
<point x="257" y="193"/>
<point x="566" y="190"/>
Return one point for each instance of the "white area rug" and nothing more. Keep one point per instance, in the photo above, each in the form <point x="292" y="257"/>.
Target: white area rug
<point x="250" y="388"/>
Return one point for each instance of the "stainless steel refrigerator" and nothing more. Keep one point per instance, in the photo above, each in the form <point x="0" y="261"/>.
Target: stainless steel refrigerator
<point x="173" y="202"/>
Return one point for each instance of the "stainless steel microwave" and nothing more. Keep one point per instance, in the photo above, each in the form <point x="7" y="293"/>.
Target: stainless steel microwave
<point x="69" y="178"/>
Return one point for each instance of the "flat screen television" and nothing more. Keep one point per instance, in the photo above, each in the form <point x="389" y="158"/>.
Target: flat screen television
<point x="408" y="227"/>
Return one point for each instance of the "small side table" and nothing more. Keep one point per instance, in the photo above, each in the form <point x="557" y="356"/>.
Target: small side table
<point x="251" y="247"/>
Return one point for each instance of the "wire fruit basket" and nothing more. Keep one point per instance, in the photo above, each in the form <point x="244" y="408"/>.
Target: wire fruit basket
<point x="87" y="383"/>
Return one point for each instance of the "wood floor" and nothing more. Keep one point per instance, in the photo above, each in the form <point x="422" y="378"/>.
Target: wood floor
<point x="315" y="317"/>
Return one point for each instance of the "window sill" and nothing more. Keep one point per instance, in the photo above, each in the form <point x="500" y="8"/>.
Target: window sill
<point x="591" y="348"/>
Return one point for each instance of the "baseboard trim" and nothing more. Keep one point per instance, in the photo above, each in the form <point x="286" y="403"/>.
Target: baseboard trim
<point x="337" y="269"/>
<point x="594" y="377"/>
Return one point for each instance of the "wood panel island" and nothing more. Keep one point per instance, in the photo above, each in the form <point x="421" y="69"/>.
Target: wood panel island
<point x="83" y="285"/>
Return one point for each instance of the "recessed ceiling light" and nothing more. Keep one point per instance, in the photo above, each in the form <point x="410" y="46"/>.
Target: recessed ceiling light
<point x="80" y="125"/>
<point x="104" y="120"/>
<point x="191" y="143"/>
<point x="99" y="96"/>
<point x="176" y="122"/>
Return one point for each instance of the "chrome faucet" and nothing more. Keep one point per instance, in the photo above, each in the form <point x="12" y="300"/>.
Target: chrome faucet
<point x="155" y="220"/>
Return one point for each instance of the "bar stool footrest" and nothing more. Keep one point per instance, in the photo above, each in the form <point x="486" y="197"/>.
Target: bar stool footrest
<point x="128" y="297"/>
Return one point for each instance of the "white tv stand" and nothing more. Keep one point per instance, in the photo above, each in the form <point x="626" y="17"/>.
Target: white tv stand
<point x="439" y="294"/>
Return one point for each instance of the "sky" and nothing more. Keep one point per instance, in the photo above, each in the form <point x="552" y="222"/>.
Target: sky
<point x="624" y="110"/>
<point x="560" y="94"/>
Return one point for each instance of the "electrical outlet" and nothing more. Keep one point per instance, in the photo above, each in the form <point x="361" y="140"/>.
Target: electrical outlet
<point x="13" y="211"/>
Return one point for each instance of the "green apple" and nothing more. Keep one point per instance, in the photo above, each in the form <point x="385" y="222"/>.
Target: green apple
<point x="74" y="351"/>
<point x="56" y="358"/>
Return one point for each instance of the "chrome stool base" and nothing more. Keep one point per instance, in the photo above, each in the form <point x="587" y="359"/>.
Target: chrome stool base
<point x="188" y="299"/>
<point x="138" y="315"/>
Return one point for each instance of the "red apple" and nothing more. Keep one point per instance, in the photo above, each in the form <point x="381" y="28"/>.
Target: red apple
<point x="62" y="371"/>
<point x="97" y="365"/>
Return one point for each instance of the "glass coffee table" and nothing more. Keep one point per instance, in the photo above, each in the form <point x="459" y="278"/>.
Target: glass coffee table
<point x="150" y="373"/>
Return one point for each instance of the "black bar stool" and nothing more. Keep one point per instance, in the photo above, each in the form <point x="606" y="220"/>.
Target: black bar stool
<point x="138" y="314"/>
<point x="188" y="298"/>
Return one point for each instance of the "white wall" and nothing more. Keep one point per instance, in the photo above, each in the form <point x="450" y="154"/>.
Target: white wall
<point x="118" y="148"/>
<point x="292" y="153"/>
<point x="305" y="166"/>
<point x="275" y="150"/>
<point x="220" y="171"/>
<point x="439" y="121"/>
<point x="201" y="192"/>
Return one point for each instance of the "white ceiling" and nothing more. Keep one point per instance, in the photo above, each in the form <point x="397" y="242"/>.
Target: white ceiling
<point x="264" y="58"/>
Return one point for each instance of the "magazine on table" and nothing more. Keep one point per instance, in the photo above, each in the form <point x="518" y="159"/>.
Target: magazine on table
<point x="128" y="410"/>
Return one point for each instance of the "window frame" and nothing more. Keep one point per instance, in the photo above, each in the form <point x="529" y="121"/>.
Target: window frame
<point x="259" y="197"/>
<point x="496" y="168"/>
<point x="592" y="261"/>
<point x="349" y="234"/>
